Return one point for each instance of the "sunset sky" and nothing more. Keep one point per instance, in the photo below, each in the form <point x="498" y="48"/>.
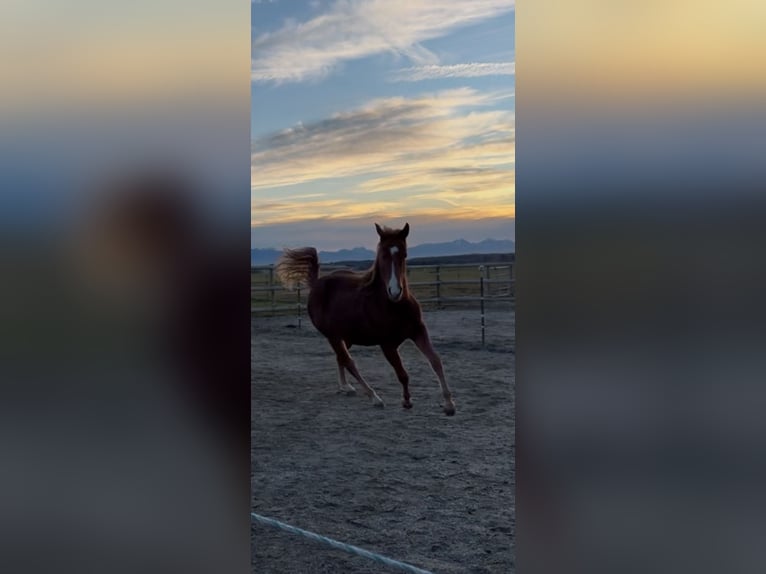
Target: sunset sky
<point x="382" y="110"/>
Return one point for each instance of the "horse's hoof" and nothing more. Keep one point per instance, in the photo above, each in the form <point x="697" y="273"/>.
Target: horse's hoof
<point x="349" y="392"/>
<point x="377" y="403"/>
<point x="449" y="410"/>
<point x="407" y="404"/>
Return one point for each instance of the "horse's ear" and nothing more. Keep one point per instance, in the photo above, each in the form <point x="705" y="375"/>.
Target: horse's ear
<point x="379" y="230"/>
<point x="405" y="231"/>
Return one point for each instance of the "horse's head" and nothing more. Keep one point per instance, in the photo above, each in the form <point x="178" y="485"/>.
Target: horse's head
<point x="392" y="260"/>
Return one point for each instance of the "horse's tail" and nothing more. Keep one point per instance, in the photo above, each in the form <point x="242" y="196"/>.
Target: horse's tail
<point x="298" y="266"/>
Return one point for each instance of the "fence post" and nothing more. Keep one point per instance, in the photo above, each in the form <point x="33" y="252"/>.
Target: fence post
<point x="271" y="286"/>
<point x="438" y="288"/>
<point x="299" y="306"/>
<point x="481" y="293"/>
<point x="489" y="282"/>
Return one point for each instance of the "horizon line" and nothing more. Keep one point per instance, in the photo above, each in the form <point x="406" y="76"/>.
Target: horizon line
<point x="513" y="240"/>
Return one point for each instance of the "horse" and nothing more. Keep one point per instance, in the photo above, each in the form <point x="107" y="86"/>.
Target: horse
<point x="370" y="308"/>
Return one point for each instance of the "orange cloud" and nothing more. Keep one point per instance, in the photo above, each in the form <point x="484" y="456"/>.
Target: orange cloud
<point x="440" y="154"/>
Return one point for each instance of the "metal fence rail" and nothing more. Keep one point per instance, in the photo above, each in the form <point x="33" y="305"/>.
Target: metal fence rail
<point x="351" y="549"/>
<point x="490" y="284"/>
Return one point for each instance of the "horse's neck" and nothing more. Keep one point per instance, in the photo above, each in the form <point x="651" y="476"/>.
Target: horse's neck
<point x="377" y="276"/>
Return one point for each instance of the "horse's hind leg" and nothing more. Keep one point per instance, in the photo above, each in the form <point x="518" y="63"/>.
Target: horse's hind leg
<point x="345" y="360"/>
<point x="423" y="343"/>
<point x="392" y="355"/>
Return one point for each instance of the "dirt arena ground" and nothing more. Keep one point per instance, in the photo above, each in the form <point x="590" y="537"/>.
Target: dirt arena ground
<point x="417" y="486"/>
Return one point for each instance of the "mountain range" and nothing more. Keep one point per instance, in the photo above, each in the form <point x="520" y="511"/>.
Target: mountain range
<point x="457" y="247"/>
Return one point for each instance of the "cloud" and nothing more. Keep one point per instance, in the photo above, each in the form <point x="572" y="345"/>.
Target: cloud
<point x="435" y="72"/>
<point x="350" y="30"/>
<point x="451" y="151"/>
<point x="391" y="134"/>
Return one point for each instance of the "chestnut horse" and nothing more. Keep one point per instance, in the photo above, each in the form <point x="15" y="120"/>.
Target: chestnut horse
<point x="368" y="308"/>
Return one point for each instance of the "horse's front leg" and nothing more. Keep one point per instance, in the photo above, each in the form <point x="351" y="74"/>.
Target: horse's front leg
<point x="423" y="342"/>
<point x="392" y="355"/>
<point x="345" y="361"/>
<point x="343" y="386"/>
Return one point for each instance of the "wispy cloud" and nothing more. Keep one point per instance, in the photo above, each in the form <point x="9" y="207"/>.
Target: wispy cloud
<point x="450" y="152"/>
<point x="435" y="72"/>
<point x="354" y="29"/>
<point x="391" y="134"/>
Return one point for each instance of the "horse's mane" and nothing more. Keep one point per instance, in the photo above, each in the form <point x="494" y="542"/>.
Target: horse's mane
<point x="363" y="278"/>
<point x="368" y="277"/>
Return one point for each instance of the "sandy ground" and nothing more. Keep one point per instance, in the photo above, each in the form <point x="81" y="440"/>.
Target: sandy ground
<point x="417" y="486"/>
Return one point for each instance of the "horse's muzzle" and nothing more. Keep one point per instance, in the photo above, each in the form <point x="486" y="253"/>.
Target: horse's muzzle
<point x="395" y="298"/>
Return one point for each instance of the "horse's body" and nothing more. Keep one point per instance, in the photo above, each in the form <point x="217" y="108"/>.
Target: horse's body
<point x="339" y="306"/>
<point x="370" y="308"/>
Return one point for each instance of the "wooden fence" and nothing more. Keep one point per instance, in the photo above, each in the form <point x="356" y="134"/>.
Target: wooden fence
<point x="460" y="285"/>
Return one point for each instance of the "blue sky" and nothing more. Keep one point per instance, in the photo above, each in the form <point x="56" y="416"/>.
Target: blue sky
<point x="381" y="110"/>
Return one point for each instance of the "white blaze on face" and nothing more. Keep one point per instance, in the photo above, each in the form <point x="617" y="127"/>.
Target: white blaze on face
<point x="393" y="283"/>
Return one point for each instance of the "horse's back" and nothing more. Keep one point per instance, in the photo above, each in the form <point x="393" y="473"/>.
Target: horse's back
<point x="331" y="299"/>
<point x="339" y="287"/>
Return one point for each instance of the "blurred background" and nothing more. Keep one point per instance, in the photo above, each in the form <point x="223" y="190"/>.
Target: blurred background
<point x="124" y="170"/>
<point x="124" y="241"/>
<point x="640" y="319"/>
